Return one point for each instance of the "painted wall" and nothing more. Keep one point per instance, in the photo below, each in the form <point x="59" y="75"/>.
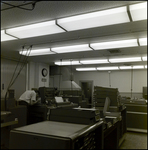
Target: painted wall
<point x="118" y="79"/>
<point x="7" y="70"/>
<point x="35" y="78"/>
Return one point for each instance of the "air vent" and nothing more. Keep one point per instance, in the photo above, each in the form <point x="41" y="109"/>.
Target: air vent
<point x="114" y="51"/>
<point x="127" y="64"/>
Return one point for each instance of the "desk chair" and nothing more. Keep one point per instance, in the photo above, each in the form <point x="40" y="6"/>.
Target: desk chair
<point x="107" y="113"/>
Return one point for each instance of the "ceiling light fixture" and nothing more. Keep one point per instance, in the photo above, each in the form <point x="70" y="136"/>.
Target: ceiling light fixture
<point x="114" y="44"/>
<point x="132" y="59"/>
<point x="45" y="51"/>
<point x="143" y="41"/>
<point x="86" y="69"/>
<point x="6" y="37"/>
<point x="33" y="30"/>
<point x="69" y="49"/>
<point x="145" y="66"/>
<point x="138" y="11"/>
<point x="138" y="67"/>
<point x="108" y="68"/>
<point x="95" y="19"/>
<point x="125" y="67"/>
<point x="67" y="63"/>
<point x="101" y="61"/>
<point x="144" y="58"/>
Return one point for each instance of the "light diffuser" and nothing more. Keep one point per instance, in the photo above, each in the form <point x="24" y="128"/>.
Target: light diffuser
<point x="86" y="69"/>
<point x="37" y="52"/>
<point x="5" y="37"/>
<point x="67" y="63"/>
<point x="69" y="49"/>
<point x="125" y="67"/>
<point x="114" y="44"/>
<point x="138" y="67"/>
<point x="143" y="41"/>
<point x="144" y="58"/>
<point x="95" y="19"/>
<point x="108" y="68"/>
<point x="145" y="66"/>
<point x="138" y="11"/>
<point x="33" y="30"/>
<point x="132" y="59"/>
<point x="101" y="61"/>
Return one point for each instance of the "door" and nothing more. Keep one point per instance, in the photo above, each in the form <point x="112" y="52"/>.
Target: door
<point x="86" y="87"/>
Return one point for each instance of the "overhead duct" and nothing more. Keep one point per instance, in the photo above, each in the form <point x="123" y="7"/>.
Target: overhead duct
<point x="67" y="80"/>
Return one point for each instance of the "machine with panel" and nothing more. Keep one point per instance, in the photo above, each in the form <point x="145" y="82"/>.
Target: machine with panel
<point x="57" y="135"/>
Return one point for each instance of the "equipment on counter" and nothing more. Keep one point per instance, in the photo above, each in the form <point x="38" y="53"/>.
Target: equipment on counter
<point x="75" y="115"/>
<point x="57" y="135"/>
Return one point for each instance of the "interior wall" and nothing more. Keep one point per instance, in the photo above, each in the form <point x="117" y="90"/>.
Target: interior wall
<point x="118" y="79"/>
<point x="35" y="78"/>
<point x="7" y="70"/>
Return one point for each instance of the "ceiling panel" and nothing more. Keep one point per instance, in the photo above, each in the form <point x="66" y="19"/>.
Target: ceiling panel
<point x="52" y="10"/>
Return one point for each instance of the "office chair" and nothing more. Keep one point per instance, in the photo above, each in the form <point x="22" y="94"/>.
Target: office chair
<point x="106" y="110"/>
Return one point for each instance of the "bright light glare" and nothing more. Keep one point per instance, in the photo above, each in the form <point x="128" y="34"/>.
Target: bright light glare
<point x="36" y="52"/>
<point x="143" y="41"/>
<point x="108" y="68"/>
<point x="33" y="30"/>
<point x="69" y="49"/>
<point x="5" y="37"/>
<point x="138" y="67"/>
<point x="62" y="63"/>
<point x="85" y="69"/>
<point x="94" y="61"/>
<point x="138" y="11"/>
<point x="132" y="59"/>
<point x="144" y="58"/>
<point x="114" y="44"/>
<point x="95" y="19"/>
<point x="125" y="67"/>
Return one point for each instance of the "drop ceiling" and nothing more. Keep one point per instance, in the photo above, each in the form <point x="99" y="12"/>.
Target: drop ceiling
<point x="51" y="10"/>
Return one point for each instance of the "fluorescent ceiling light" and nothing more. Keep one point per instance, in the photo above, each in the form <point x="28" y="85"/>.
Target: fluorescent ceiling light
<point x="145" y="66"/>
<point x="132" y="59"/>
<point x="69" y="49"/>
<point x="85" y="69"/>
<point x="114" y="44"/>
<point x="94" y="61"/>
<point x="144" y="58"/>
<point x="108" y="68"/>
<point x="95" y="19"/>
<point x="138" y="67"/>
<point x="36" y="52"/>
<point x="62" y="63"/>
<point x="138" y="11"/>
<point x="33" y="30"/>
<point x="5" y="37"/>
<point x="143" y="41"/>
<point x="125" y="67"/>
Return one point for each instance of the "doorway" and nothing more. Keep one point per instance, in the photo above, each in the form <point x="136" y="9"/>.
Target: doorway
<point x="87" y="88"/>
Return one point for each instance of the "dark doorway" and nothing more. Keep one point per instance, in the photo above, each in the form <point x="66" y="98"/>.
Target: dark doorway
<point x="87" y="89"/>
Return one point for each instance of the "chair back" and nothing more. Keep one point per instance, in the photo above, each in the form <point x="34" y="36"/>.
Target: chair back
<point x="106" y="105"/>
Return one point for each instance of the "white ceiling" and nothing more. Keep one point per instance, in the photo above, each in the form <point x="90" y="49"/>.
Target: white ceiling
<point x="52" y="10"/>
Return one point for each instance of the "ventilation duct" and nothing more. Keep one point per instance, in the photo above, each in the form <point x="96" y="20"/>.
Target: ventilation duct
<point x="67" y="79"/>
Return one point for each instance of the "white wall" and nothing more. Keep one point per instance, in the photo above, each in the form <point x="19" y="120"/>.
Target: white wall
<point x="35" y="78"/>
<point x="7" y="70"/>
<point x="119" y="79"/>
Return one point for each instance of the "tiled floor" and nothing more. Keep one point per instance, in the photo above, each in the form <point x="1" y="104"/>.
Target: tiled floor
<point x="134" y="140"/>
